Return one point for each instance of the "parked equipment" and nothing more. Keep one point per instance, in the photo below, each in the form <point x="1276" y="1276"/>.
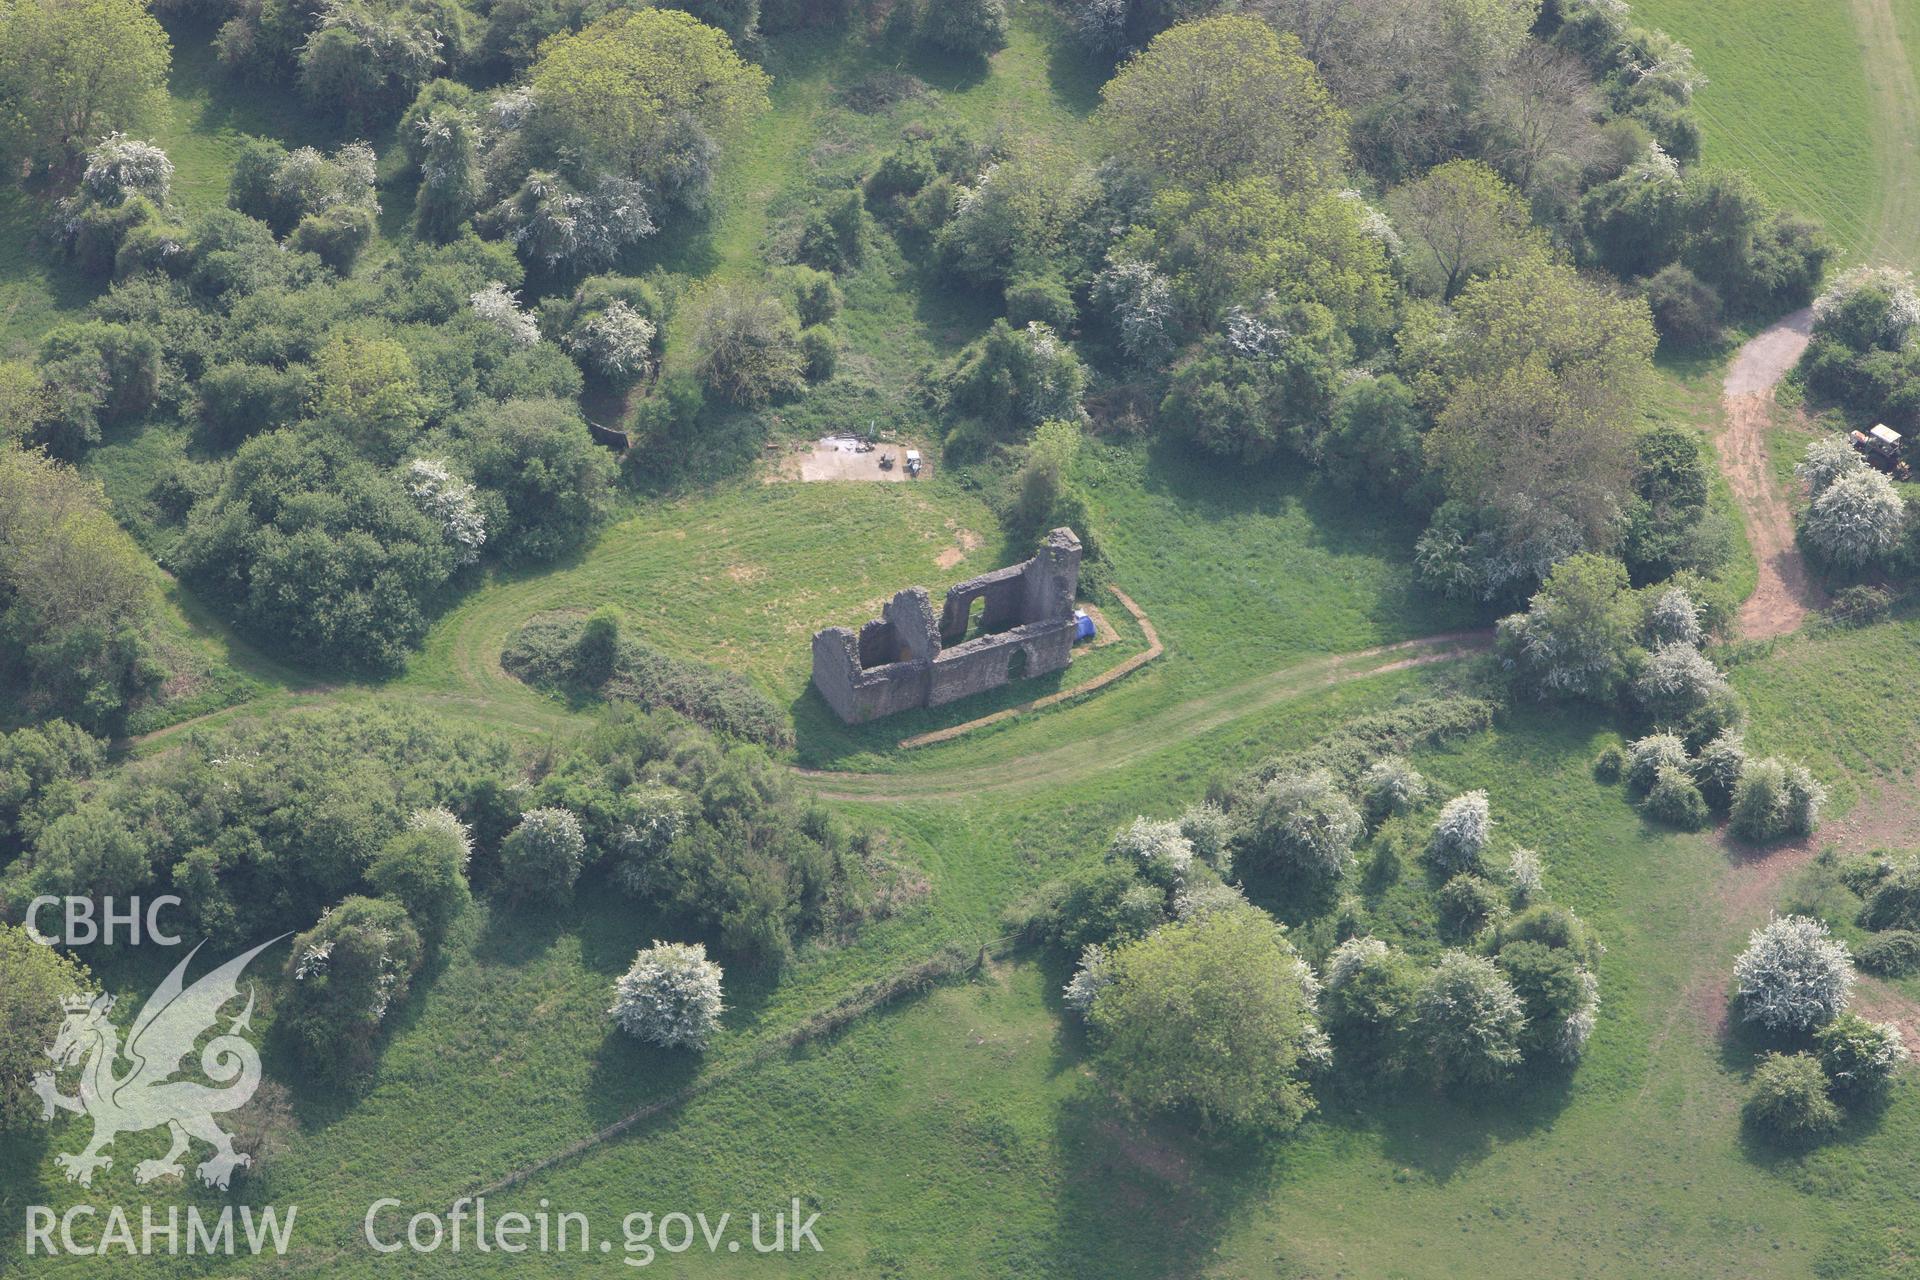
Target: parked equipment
<point x="1881" y="448"/>
<point x="913" y="463"/>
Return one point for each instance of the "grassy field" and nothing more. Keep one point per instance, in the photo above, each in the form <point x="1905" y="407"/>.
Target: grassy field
<point x="1815" y="100"/>
<point x="959" y="1132"/>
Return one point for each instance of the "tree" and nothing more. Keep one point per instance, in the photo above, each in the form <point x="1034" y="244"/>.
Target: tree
<point x="1372" y="445"/>
<point x="1647" y="756"/>
<point x="1718" y="768"/>
<point x="77" y="598"/>
<point x="1775" y="799"/>
<point x="546" y="482"/>
<point x="451" y="181"/>
<point x="1015" y="220"/>
<point x="1099" y="904"/>
<point x="74" y="70"/>
<point x="1856" y="520"/>
<point x="347" y="973"/>
<point x="1391" y="786"/>
<point x="1789" y="1101"/>
<point x="1676" y="801"/>
<point x="974" y="28"/>
<point x="1894" y="902"/>
<point x="1044" y="497"/>
<point x="34" y="980"/>
<point x="616" y="344"/>
<point x="1460" y="833"/>
<point x="1470" y="1020"/>
<point x="1793" y="976"/>
<point x="1215" y="1015"/>
<point x="620" y="90"/>
<point x="1461" y="220"/>
<point x="1221" y="99"/>
<point x="1252" y="245"/>
<point x="1015" y="379"/>
<point x="1155" y="851"/>
<point x="1526" y="877"/>
<point x="1301" y="824"/>
<point x="598" y="648"/>
<point x="747" y="345"/>
<point x="1538" y="118"/>
<point x="558" y="226"/>
<point x="1676" y="680"/>
<point x="119" y="168"/>
<point x="1858" y="1056"/>
<point x="367" y="389"/>
<point x="314" y="546"/>
<point x="425" y="871"/>
<point x="1541" y="380"/>
<point x="1577" y="633"/>
<point x="1827" y="459"/>
<point x="1674" y="618"/>
<point x="1560" y="995"/>
<point x="1686" y="310"/>
<point x="541" y="858"/>
<point x="670" y="996"/>
<point x="1368" y="999"/>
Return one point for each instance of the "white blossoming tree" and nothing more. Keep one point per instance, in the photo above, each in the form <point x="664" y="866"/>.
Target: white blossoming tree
<point x="1300" y="824"/>
<point x="1793" y="976"/>
<point x="616" y="344"/>
<point x="670" y="996"/>
<point x="1157" y="850"/>
<point x="444" y="497"/>
<point x="540" y="859"/>
<point x="120" y="167"/>
<point x="1470" y="1019"/>
<point x="499" y="306"/>
<point x="1460" y="833"/>
<point x="1675" y="680"/>
<point x="1647" y="756"/>
<point x="1674" y="618"/>
<point x="1826" y="460"/>
<point x="1857" y="518"/>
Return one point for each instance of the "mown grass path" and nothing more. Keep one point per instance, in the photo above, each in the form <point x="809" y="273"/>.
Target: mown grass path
<point x="1894" y="228"/>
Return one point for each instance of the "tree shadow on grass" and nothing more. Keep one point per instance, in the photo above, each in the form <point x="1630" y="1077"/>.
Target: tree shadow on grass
<point x="230" y="103"/>
<point x="1440" y="1134"/>
<point x="1148" y="1196"/>
<point x="23" y="1155"/>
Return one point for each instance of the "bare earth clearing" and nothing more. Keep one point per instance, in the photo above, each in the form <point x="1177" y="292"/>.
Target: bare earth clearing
<point x="1786" y="593"/>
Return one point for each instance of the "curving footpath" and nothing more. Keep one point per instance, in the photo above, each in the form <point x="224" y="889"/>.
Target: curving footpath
<point x="1786" y="593"/>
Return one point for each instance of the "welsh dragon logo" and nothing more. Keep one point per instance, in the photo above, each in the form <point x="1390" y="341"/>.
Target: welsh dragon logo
<point x="145" y="1095"/>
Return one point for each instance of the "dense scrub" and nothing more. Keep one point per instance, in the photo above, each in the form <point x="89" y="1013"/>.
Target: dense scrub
<point x="559" y="653"/>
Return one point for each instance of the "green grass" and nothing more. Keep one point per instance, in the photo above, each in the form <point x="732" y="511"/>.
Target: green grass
<point x="1788" y="101"/>
<point x="959" y="1133"/>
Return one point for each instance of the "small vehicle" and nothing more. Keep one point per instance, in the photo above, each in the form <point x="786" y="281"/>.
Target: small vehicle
<point x="1881" y="448"/>
<point x="913" y="463"/>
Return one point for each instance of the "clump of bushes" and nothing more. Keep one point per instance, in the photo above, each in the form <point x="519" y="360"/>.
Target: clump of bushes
<point x="1788" y="1099"/>
<point x="572" y="655"/>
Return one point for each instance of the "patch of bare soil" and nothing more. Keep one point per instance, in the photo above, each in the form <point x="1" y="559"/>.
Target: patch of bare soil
<point x="1786" y="592"/>
<point x="839" y="458"/>
<point x="965" y="543"/>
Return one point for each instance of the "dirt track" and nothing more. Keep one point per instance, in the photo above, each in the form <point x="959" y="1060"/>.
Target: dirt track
<point x="1786" y="593"/>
